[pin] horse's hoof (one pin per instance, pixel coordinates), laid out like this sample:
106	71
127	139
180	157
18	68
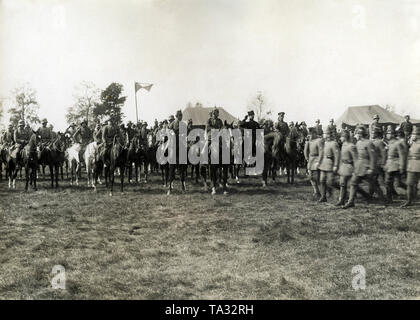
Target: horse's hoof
110	194
168	193
213	191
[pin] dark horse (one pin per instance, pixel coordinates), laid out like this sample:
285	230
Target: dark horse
133	157
273	149
117	158
53	157
291	155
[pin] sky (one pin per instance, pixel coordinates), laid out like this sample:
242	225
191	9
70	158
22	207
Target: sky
310	58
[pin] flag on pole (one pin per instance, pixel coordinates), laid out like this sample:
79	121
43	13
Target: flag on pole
139	86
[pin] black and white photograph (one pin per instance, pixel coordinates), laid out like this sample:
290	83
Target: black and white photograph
190	150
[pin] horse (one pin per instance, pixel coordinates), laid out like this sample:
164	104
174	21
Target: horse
117	158
30	156
73	160
134	157
272	154
291	155
53	157
94	164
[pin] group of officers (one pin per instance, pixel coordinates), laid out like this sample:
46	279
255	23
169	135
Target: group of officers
365	155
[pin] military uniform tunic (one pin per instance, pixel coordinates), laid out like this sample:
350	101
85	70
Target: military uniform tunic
329	156
311	152
348	158
395	160
282	127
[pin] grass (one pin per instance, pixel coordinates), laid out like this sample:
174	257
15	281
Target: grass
273	243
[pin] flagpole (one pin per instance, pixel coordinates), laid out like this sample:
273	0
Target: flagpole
135	95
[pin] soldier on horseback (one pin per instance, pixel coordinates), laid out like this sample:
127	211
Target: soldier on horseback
109	132
83	136
45	134
21	138
281	125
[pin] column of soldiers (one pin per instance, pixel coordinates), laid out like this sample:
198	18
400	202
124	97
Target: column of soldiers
362	159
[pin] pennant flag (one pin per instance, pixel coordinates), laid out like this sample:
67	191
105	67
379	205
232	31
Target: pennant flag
139	86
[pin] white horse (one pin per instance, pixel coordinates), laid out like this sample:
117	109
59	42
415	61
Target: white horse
72	156
91	160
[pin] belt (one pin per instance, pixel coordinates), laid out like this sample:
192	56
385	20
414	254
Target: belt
414	157
330	157
393	157
314	155
347	161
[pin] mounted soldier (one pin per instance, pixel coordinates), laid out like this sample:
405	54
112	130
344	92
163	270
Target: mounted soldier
8	137
21	138
97	134
333	129
318	128
109	133
395	163
312	150
83	136
413	167
281	126
45	135
375	126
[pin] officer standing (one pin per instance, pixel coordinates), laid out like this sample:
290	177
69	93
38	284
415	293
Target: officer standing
395	163
380	152
348	157
175	126
413	167
311	152
328	164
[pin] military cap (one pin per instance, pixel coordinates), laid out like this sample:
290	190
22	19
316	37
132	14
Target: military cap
21	123
171	117
360	129
407	116
83	122
281	113
44	120
375	117
165	121
179	112
345	134
216	110
251	113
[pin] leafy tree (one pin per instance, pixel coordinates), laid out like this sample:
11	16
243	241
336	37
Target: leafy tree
259	105
86	96
25	107
111	103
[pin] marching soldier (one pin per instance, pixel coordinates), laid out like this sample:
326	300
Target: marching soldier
413	167
45	134
380	153
365	164
281	126
328	164
348	157
311	152
395	163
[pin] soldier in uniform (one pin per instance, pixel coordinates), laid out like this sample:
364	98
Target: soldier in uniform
348	157
413	167
174	126
375	126
380	152
312	150
406	127
109	132
97	134
328	164
365	164
332	128
83	136
21	138
45	134
395	163
318	128
281	126
53	133
303	129
171	119
8	137
253	125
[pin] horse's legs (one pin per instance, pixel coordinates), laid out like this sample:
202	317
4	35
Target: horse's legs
122	169
112	178
27	176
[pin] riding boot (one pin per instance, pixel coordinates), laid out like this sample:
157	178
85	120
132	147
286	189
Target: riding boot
389	194
341	199
410	194
350	203
316	194
323	188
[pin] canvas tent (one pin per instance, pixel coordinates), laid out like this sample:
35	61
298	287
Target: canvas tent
200	115
364	115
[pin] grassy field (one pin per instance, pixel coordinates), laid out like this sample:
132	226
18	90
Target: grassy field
273	243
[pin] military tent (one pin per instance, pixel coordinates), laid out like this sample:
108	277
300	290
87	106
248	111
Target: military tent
364	115
200	115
